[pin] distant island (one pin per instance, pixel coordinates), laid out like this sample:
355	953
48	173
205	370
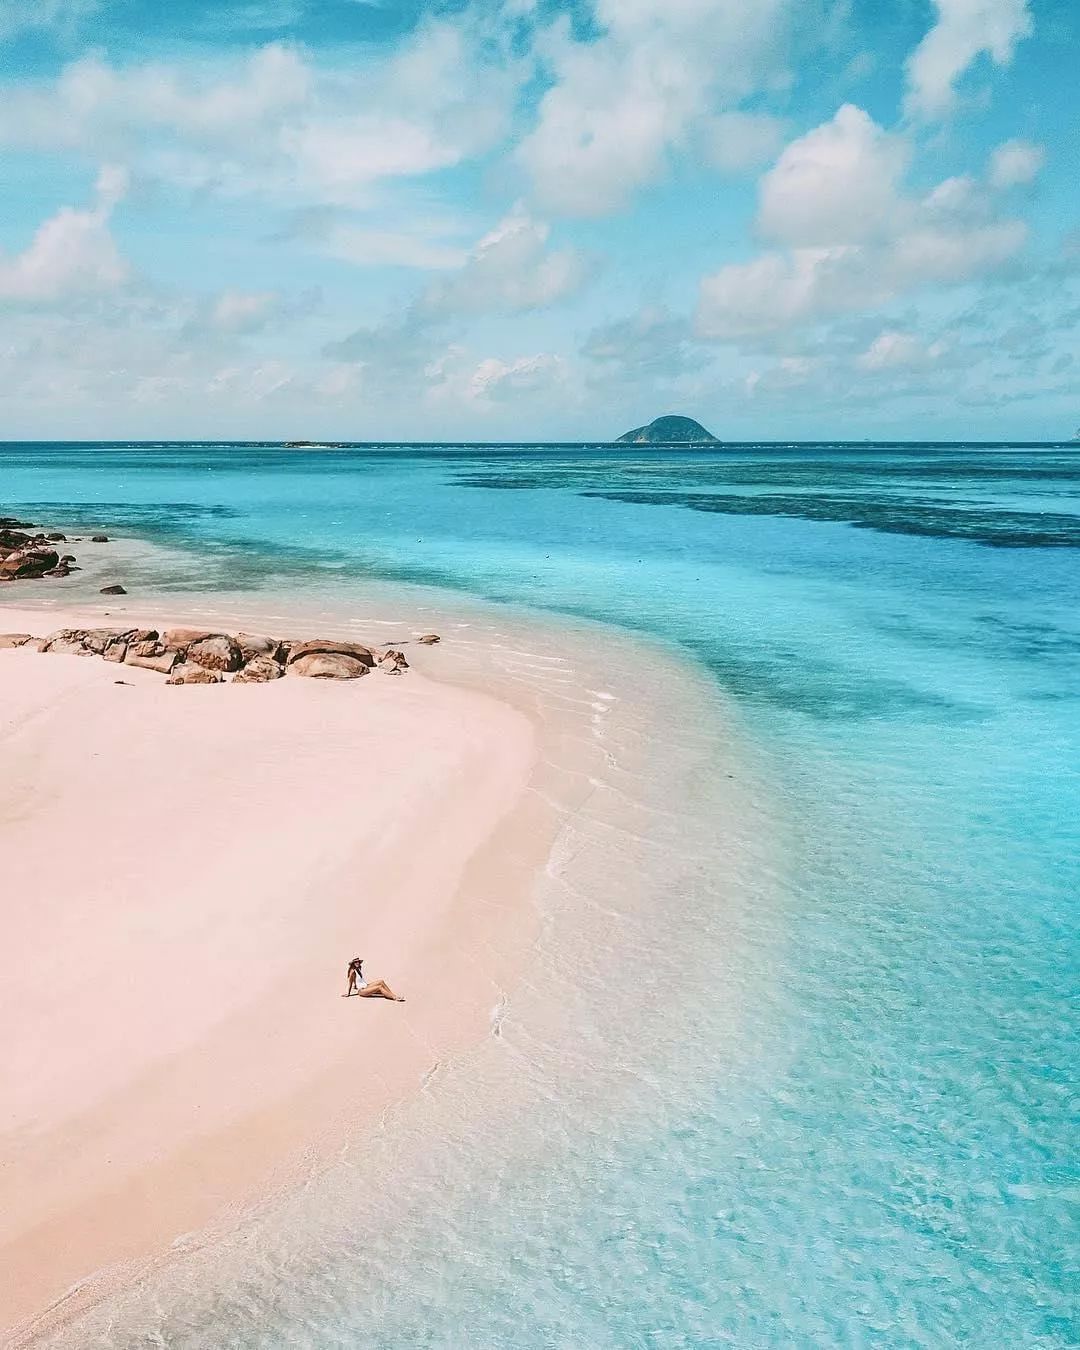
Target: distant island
670	430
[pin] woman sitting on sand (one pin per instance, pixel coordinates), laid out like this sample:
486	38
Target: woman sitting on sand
365	989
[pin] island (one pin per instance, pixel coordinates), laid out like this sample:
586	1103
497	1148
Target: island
669	430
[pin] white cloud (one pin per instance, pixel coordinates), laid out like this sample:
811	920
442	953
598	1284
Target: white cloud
736	141
838	184
72	253
407	247
619	103
275	123
857	239
1015	163
511	270
964	30
494	380
892	350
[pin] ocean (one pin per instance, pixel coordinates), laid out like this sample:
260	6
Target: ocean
816	1084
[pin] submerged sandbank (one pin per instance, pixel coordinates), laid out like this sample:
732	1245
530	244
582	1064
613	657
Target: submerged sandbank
187	872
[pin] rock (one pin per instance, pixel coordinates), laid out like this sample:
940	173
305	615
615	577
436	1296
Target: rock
116	650
68	641
9	640
250	646
182	638
328	666
216	653
67	557
56	538
163	663
61	570
148	645
393	662
113	590
99	639
27	563
328	647
189	674
429	639
12	539
259	670
99	538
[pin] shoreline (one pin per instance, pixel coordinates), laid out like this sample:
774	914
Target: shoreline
472	758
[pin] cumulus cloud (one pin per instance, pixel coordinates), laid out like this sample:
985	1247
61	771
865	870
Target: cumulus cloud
494	379
619	102
963	31
511	270
272	121
72	253
856	238
838	184
1015	163
892	350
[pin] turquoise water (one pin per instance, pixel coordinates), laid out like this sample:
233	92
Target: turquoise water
883	1152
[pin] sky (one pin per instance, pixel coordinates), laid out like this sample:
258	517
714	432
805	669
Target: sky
522	219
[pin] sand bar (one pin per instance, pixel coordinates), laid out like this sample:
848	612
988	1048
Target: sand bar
185	874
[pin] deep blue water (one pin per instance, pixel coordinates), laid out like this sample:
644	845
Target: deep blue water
899	629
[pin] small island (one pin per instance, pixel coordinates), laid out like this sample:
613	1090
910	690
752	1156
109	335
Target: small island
669	430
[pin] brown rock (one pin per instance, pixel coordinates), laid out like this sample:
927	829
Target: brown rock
259	670
429	639
189	674
162	663
113	590
60	570
331	647
251	645
98	639
182	638
138	645
56	538
216	653
72	646
13	539
99	538
116	650
28	563
393	662
328	666
9	640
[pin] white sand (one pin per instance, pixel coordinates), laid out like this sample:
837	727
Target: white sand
185	873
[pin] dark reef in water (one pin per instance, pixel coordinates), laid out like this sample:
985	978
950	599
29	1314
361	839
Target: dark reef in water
670	430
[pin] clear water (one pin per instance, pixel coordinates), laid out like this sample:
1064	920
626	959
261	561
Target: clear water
850	1116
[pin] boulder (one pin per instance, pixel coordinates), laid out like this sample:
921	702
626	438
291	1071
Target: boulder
182	638
216	653
72	646
162	663
56	538
12	539
330	647
99	538
140	645
251	645
189	674
28	563
116	650
259	670
393	662
9	640
328	666
60	570
429	639
113	590
98	639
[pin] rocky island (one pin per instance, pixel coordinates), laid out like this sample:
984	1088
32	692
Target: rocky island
669	430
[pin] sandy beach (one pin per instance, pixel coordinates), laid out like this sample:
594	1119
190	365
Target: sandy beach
188	872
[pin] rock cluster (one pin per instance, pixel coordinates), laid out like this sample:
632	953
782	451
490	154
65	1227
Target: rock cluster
26	557
197	656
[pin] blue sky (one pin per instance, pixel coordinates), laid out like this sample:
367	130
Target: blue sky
363	219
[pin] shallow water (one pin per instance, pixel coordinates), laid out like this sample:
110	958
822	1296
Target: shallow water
798	1065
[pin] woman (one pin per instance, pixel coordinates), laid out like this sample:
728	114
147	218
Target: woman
365	989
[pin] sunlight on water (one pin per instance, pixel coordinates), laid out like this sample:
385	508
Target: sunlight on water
797	1063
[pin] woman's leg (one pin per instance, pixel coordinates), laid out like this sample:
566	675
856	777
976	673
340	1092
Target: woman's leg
380	989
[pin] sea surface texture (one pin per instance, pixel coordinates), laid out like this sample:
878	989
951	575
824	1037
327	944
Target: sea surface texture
796	1062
